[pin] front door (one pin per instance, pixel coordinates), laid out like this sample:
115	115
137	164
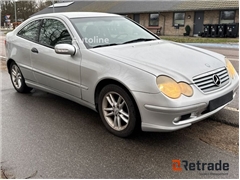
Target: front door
198	22
60	73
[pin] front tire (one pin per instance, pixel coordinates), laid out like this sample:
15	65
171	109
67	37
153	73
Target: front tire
17	79
117	110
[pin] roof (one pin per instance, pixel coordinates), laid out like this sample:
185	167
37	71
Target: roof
125	7
79	14
207	5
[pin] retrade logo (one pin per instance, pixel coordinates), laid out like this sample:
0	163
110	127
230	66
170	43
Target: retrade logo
176	165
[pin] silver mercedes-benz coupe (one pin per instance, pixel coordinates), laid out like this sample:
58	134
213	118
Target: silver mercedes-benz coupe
115	66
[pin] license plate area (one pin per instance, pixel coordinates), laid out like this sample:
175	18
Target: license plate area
216	103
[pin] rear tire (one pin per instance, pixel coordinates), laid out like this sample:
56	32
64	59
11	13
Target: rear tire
17	79
117	110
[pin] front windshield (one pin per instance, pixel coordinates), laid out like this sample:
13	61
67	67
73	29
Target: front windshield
108	31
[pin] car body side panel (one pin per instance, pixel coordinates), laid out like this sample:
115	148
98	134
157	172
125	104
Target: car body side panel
64	95
19	51
95	68
52	70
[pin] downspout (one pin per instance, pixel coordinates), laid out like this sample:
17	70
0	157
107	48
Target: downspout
0	15
163	28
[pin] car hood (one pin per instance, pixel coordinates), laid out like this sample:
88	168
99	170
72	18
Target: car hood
165	58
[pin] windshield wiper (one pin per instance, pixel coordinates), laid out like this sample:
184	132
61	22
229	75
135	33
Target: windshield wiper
105	45
138	40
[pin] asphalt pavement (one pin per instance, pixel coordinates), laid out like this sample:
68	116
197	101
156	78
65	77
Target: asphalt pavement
46	136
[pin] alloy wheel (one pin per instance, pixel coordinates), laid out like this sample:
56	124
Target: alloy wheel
115	111
16	77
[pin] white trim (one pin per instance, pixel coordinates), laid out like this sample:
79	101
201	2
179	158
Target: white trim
64	4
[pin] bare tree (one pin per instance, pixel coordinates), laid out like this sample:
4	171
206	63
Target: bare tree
44	3
24	8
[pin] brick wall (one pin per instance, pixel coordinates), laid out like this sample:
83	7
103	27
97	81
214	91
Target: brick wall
211	17
129	16
237	16
168	29
144	19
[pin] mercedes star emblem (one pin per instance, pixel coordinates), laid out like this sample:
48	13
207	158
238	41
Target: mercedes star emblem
216	80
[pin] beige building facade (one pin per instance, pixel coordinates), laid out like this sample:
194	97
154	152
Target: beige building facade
162	15
166	21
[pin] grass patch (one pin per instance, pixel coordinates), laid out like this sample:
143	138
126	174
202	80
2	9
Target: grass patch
5	32
184	39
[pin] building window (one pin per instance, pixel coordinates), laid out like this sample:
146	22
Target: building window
153	19
179	18
227	17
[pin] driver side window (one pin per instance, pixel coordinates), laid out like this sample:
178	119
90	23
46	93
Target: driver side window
54	32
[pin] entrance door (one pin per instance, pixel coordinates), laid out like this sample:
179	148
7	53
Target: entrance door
198	22
136	18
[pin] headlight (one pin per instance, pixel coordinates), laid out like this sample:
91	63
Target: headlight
172	89
169	87
186	89
230	68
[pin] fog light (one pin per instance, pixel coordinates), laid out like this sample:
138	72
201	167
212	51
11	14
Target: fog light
177	119
194	115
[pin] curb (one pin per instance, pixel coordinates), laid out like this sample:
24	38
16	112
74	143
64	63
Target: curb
213	45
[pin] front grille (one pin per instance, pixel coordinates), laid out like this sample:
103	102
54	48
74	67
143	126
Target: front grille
206	83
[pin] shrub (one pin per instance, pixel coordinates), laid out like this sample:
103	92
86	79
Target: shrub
187	29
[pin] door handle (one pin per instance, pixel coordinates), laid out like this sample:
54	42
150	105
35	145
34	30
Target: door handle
34	50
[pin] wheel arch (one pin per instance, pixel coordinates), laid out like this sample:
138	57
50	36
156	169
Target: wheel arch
101	84
9	62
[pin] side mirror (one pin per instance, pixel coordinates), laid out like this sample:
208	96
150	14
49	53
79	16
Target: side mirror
66	49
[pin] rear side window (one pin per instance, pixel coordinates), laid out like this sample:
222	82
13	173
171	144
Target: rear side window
54	32
30	31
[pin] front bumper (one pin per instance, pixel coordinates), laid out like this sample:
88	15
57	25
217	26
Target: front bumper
161	114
